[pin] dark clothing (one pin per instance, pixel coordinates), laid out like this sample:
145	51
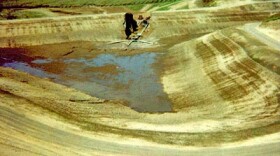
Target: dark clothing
130	23
127	30
134	25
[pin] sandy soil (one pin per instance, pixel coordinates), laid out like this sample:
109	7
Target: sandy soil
222	80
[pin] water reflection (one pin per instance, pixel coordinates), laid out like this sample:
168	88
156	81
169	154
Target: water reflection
129	78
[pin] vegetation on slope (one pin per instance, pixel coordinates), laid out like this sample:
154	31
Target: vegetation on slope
166	5
273	17
15	9
209	3
20	14
71	3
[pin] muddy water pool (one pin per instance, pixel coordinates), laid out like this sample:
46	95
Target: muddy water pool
130	78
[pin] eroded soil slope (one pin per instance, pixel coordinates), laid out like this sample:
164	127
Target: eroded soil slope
221	77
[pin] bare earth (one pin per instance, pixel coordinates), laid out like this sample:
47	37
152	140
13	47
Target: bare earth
220	69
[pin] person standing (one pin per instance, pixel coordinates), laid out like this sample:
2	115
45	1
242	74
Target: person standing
130	24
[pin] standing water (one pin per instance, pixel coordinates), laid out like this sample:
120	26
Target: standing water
108	76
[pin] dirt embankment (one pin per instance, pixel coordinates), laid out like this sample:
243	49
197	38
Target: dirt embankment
221	85
109	28
64	29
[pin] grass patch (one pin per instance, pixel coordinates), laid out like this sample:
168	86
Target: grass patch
184	7
167	5
28	14
20	14
69	3
164	8
273	18
209	3
136	7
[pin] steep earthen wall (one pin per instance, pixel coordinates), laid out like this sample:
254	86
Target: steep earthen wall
108	28
167	24
271	25
62	29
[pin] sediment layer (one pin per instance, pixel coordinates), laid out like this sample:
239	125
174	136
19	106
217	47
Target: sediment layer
224	87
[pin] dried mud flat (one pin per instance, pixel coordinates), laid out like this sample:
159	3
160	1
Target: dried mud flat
219	68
